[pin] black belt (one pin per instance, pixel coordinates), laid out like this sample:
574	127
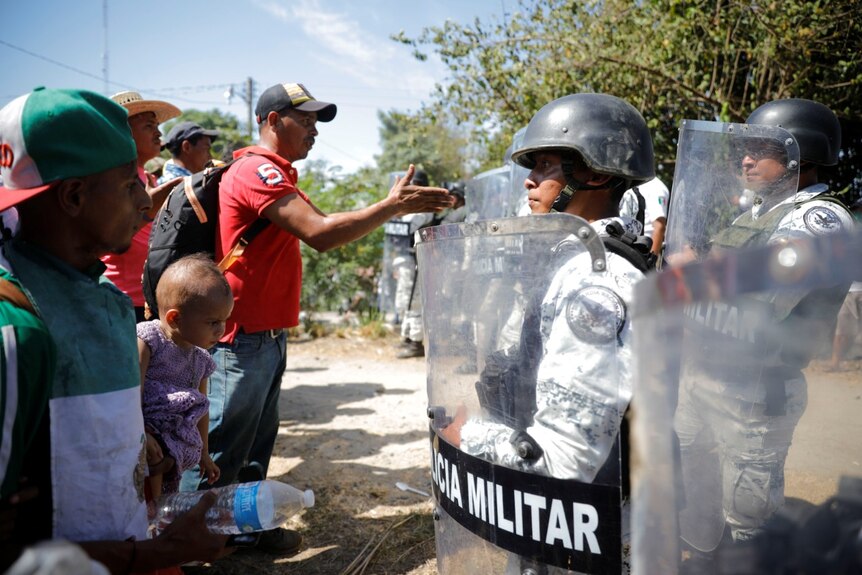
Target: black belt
271	333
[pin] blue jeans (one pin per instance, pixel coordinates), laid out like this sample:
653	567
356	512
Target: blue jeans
243	393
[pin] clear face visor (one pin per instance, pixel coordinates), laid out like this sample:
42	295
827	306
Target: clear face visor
724	172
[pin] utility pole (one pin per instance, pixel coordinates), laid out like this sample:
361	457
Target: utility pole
248	97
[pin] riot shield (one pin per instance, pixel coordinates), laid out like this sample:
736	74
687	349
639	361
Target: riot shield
488	195
527	390
517	204
726	174
742	428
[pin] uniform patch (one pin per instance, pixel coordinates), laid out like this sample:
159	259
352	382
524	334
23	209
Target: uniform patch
822	221
595	314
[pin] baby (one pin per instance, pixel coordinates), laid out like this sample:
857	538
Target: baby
194	302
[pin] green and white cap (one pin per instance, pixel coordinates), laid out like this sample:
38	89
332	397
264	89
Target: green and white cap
51	135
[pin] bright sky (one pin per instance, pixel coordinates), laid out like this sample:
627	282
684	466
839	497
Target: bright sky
189	52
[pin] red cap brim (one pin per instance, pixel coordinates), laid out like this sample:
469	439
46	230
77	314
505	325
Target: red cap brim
10	197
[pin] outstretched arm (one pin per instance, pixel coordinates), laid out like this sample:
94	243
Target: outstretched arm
327	231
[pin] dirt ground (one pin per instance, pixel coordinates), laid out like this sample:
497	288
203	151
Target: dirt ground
353	424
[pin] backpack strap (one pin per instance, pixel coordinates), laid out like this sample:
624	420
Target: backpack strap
248	235
234	254
13	294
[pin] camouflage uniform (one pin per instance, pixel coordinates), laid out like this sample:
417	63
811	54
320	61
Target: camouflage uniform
581	392
748	410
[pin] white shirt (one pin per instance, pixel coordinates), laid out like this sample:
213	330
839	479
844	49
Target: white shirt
656	197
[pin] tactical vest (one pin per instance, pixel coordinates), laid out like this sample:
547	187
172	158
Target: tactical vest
746	231
746	328
749	232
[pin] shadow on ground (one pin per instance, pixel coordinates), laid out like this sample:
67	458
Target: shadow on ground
352	463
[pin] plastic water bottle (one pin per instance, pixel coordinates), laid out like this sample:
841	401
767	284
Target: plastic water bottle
241	507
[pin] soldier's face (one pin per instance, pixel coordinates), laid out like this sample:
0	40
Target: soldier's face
545	181
762	165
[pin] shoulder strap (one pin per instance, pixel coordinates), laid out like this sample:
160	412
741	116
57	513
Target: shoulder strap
13	294
247	236
636	249
641	215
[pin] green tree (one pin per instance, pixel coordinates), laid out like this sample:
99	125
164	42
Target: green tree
335	277
672	59
420	139
230	139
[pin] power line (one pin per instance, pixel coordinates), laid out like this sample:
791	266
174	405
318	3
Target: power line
61	64
156	91
169	92
340	151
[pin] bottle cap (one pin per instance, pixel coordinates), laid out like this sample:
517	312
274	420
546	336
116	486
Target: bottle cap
308	498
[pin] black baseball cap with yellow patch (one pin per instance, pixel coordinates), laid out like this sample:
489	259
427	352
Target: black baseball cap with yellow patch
283	96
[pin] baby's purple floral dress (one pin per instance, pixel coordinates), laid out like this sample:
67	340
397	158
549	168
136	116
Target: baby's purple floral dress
172	403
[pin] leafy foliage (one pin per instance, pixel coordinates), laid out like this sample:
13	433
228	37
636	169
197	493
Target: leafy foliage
672	59
346	276
419	139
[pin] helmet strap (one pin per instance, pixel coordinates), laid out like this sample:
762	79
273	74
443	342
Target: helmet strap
572	186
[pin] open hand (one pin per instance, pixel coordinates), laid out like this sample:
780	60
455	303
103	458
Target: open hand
417	199
158	194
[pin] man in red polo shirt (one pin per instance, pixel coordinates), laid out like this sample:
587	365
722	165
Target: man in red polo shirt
267	278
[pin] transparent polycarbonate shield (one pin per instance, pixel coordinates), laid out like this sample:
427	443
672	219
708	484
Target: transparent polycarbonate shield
742	426
518	205
728	173
521	343
488	195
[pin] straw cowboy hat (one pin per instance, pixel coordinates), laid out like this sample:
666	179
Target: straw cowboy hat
135	104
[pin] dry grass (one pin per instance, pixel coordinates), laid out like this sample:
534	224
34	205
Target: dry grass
360	524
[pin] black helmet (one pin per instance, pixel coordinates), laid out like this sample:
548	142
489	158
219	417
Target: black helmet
420	178
609	134
455	188
814	126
